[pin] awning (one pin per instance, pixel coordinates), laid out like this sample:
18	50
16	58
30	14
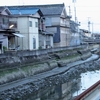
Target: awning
18	35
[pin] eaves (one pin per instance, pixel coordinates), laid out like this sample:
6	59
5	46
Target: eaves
16	16
57	26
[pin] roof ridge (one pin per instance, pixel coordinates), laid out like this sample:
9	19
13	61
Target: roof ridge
37	5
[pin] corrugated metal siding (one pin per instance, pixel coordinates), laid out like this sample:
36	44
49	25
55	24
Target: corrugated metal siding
24	11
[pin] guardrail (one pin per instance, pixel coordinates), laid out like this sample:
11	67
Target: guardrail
85	93
22	53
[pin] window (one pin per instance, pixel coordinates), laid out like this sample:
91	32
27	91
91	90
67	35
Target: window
34	43
36	24
5	20
30	23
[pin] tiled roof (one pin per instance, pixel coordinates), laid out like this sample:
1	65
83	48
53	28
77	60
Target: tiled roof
51	9
1	9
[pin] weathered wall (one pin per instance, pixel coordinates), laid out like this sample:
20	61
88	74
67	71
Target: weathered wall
15	58
11	58
36	89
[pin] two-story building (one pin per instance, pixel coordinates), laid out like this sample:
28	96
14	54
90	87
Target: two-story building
57	22
31	24
7	35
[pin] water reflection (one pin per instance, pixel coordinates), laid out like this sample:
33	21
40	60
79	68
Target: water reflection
87	80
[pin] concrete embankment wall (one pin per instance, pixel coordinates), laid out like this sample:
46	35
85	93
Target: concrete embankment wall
16	58
13	58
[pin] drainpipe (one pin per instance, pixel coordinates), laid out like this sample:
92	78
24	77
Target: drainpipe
28	33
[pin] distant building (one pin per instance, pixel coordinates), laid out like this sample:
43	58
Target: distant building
75	35
84	35
96	35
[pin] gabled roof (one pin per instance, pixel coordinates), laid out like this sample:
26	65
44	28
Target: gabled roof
2	8
51	9
23	11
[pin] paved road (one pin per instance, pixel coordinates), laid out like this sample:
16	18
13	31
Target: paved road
55	71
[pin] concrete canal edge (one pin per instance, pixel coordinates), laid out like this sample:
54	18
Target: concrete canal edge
33	84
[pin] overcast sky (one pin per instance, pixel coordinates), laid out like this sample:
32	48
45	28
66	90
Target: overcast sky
85	10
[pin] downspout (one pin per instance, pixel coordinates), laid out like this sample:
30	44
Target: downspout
28	33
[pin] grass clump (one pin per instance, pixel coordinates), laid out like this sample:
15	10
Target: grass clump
21	72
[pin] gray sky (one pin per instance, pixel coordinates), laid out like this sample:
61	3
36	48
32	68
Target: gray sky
85	10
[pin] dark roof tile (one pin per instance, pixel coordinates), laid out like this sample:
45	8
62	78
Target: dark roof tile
51	9
1	9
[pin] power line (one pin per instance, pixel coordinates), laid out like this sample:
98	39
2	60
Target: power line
93	23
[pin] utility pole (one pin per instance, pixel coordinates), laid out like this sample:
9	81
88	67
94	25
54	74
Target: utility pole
76	26
92	27
69	11
88	24
74	1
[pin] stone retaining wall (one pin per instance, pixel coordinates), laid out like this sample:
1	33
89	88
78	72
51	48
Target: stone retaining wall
17	58
35	89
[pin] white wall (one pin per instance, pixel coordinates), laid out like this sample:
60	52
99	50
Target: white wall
4	13
23	24
28	32
36	15
51	41
33	33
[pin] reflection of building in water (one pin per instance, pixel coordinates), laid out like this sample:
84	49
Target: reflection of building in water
69	88
92	93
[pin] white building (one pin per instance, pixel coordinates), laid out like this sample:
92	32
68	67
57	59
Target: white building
30	23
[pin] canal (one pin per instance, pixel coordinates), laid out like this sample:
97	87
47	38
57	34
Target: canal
84	81
62	86
87	80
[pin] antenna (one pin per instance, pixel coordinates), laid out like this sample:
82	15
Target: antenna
69	11
89	24
74	1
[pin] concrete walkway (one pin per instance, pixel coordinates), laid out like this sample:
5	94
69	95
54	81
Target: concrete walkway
52	72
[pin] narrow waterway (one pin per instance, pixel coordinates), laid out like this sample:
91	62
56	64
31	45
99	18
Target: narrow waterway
87	80
84	82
